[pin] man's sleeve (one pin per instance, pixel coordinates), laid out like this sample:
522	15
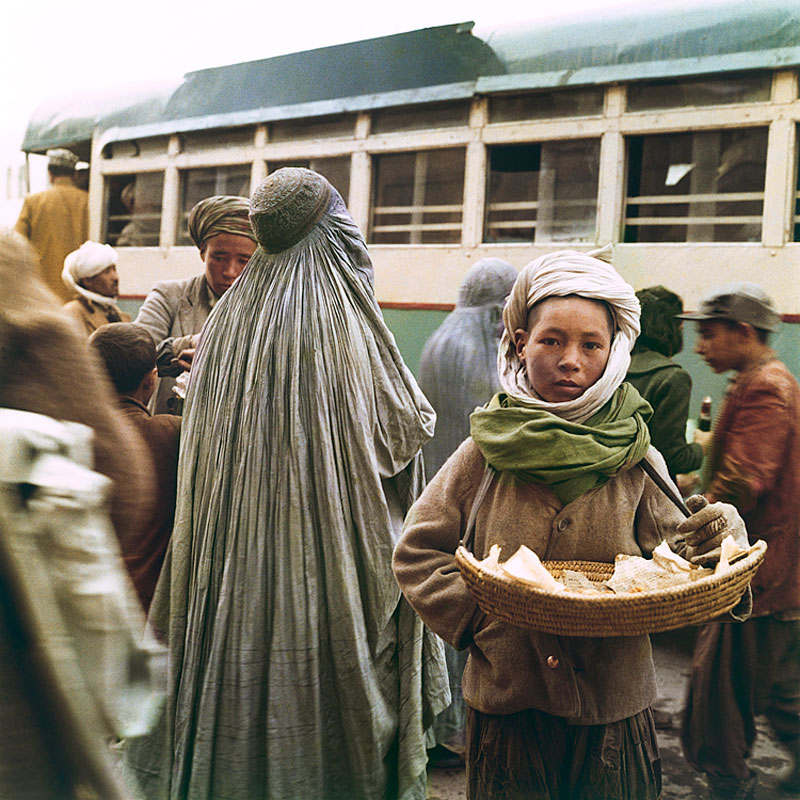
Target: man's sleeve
156	315
754	448
23	225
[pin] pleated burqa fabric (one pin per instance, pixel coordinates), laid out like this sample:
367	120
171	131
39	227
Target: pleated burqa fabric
297	669
457	372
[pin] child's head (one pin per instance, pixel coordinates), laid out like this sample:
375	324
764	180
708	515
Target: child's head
570	323
129	355
661	328
565	346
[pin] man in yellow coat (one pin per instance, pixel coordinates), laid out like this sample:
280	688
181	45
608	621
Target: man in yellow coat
56	221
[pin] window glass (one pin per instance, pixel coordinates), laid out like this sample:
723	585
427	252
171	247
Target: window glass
418	197
706	186
437	115
332	127
335	169
133	209
750	87
196	184
544	105
543	192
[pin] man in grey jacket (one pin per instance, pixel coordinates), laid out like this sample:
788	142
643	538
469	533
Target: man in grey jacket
174	311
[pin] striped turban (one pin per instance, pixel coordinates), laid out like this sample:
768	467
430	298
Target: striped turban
220	214
568	272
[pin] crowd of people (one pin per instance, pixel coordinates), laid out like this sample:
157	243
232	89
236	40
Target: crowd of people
291	535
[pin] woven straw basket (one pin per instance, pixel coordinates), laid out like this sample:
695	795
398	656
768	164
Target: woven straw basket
573	614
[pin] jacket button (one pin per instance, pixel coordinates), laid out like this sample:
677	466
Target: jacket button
553	662
562	523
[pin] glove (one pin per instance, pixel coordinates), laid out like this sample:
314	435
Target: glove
709	524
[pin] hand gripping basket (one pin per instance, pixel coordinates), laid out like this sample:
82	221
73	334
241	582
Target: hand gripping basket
601	615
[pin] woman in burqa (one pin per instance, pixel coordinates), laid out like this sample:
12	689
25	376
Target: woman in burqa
297	671
457	373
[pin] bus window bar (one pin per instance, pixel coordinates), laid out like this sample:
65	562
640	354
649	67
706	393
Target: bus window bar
154	215
417	209
667	199
693	220
427	226
532	205
532	223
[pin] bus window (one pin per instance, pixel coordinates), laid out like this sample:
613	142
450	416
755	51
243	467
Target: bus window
418	197
543	192
133	209
336	169
197	184
583	102
706	186
747	87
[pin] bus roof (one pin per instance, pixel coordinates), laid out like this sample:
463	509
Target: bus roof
436	64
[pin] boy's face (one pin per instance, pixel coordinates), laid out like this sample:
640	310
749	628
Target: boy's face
720	344
225	256
566	347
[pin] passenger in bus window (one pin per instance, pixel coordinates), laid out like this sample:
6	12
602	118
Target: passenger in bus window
555	463
174	311
300	672
91	273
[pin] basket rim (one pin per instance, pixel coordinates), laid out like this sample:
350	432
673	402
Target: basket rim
706	583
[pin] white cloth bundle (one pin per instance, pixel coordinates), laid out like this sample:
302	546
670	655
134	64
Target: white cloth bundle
568	272
90	259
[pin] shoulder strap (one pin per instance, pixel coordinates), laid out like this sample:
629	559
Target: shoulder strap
659	481
483	487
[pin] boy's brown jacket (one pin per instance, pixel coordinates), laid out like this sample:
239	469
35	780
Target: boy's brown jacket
509	669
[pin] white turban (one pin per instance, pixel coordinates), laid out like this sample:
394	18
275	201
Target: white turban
90	259
568	272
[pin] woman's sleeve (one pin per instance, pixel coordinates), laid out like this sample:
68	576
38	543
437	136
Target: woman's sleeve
424	559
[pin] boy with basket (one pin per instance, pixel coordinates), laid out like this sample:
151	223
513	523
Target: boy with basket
553	463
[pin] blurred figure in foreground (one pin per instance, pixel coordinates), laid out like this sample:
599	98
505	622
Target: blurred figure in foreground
129	356
91	273
75	664
175	310
664	384
753	453
299	670
457	372
56	221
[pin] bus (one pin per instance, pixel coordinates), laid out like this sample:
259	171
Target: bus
671	136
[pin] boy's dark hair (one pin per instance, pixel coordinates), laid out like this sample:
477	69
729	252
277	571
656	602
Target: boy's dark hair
127	351
661	331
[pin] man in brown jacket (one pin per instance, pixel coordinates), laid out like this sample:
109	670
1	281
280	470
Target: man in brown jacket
753	463
129	356
56	221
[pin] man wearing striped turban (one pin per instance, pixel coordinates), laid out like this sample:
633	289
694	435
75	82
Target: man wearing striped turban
175	310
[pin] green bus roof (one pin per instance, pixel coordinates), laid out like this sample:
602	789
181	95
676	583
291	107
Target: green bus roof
436	64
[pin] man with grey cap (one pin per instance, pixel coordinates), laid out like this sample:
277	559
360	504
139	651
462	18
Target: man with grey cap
175	310
752	462
56	221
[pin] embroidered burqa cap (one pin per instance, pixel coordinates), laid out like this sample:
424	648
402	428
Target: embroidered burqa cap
300	455
287	205
219	214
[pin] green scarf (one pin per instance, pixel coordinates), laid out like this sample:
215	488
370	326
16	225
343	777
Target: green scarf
570	457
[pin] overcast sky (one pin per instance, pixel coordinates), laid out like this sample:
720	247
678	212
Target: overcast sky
50	50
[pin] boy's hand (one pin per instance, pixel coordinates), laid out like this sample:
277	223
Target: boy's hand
702	438
709	524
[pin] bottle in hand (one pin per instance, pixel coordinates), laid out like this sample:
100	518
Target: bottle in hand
704	423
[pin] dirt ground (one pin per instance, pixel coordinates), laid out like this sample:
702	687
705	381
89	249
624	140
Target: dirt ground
672	655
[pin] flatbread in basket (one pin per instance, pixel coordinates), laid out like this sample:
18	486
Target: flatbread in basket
603	615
